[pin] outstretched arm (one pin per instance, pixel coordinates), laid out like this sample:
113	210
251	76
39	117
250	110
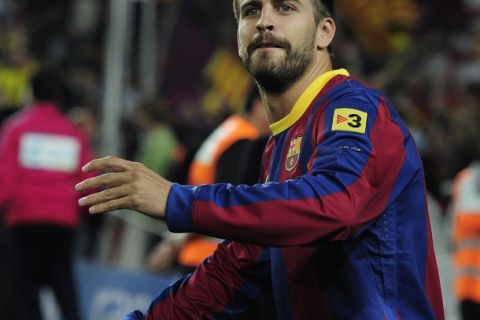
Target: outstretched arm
352	177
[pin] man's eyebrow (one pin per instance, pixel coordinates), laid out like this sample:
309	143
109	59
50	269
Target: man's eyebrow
258	3
280	1
249	3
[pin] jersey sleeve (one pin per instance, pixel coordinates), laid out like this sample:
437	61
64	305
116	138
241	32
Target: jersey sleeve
224	284
353	174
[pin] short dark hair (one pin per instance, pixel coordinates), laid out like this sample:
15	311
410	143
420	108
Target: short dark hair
47	85
322	8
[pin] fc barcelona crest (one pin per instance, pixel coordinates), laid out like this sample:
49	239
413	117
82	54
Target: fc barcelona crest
293	153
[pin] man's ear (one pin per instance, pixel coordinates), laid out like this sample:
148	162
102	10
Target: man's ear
325	32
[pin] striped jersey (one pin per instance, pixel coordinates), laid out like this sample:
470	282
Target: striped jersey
338	228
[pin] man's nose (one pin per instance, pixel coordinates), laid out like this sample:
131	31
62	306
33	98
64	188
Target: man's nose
266	21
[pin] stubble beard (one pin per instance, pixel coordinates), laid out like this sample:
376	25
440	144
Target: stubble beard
276	74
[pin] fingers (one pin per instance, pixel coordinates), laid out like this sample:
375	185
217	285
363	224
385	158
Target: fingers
104	196
131	186
106	180
110	162
110	205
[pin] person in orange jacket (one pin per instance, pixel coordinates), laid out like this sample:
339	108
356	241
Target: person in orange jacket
466	239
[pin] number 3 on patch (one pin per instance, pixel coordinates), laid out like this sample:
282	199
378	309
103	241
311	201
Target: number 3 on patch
346	119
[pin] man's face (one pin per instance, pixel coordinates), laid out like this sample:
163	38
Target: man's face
276	40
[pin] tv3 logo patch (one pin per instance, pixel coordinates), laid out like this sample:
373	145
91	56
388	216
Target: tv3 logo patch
346	119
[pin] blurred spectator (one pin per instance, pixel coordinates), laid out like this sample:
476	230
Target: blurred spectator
466	238
237	130
159	148
16	68
42	153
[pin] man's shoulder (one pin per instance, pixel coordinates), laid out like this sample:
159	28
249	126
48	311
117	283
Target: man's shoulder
353	93
351	86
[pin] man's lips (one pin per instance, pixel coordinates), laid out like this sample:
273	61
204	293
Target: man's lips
264	45
269	45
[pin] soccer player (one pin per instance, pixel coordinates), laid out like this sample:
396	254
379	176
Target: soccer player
338	230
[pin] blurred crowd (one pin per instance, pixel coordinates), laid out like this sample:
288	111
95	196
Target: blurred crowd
425	55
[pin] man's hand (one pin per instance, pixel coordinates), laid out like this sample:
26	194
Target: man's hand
127	185
164	254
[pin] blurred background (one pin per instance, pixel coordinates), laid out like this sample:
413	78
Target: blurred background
130	65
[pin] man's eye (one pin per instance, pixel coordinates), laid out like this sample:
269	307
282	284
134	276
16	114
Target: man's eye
250	12
285	7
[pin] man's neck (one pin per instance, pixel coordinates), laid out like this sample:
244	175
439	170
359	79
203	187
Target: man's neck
278	105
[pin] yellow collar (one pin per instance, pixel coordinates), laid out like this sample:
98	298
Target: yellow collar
305	100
